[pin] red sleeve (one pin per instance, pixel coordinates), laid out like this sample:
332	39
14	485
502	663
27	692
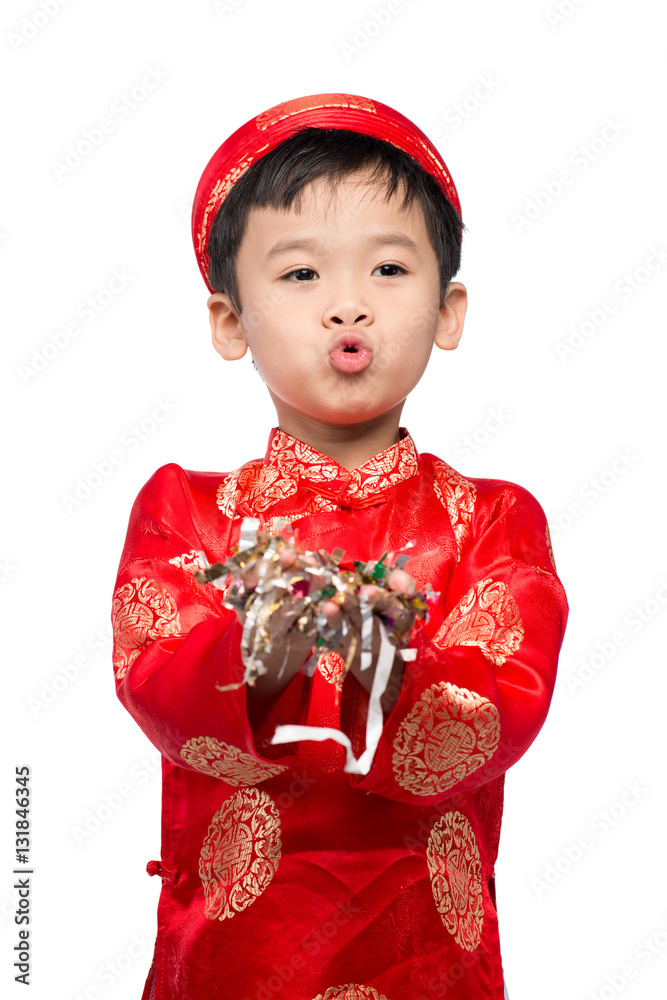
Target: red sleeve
478	692
175	643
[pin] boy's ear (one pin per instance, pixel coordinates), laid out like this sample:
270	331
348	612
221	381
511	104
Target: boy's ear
452	316
228	338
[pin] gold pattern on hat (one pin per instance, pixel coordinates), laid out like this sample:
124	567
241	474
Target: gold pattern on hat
312	103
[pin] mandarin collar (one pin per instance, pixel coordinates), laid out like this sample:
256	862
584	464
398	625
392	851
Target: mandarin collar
360	487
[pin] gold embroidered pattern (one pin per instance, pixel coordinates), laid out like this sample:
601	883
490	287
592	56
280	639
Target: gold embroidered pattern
300	461
351	991
257	484
219	192
220	760
449	733
437	166
454	865
488	617
288	108
386	469
315	505
141	613
332	667
189	561
240	853
549	549
457	495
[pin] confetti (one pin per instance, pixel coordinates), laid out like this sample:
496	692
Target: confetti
306	580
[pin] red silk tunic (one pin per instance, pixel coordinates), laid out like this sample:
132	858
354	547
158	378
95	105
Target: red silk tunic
284	877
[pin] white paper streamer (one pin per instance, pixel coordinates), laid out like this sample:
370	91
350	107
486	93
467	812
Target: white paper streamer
374	722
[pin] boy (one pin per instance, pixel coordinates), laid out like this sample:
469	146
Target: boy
328	231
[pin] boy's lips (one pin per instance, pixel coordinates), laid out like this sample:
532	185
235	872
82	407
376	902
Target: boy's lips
350	353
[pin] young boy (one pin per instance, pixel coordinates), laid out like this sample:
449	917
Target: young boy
328	231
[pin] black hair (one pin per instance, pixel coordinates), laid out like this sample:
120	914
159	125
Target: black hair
278	178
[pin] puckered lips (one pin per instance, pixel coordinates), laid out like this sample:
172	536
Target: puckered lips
350	352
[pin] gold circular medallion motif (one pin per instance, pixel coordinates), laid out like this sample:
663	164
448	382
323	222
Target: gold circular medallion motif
141	613
240	853
448	744
487	617
449	733
220	760
455	869
351	991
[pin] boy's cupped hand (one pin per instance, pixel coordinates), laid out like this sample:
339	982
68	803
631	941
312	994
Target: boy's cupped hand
290	647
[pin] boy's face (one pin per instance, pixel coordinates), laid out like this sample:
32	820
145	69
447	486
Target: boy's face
340	304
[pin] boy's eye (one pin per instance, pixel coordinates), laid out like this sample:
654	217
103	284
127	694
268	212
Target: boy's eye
300	274
393	268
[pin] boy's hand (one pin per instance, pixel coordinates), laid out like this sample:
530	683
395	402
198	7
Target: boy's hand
285	639
290	648
387	604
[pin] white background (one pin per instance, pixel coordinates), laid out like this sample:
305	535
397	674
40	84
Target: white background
535	93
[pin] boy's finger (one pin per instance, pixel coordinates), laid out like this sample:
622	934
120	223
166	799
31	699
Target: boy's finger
333	613
287	557
401	581
250	576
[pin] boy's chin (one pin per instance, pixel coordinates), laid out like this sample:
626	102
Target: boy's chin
353	417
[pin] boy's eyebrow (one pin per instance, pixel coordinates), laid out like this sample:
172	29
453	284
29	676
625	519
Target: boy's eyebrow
376	240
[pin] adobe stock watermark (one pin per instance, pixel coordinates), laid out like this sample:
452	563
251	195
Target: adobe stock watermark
111	802
7	907
7	569
579	161
425	315
592	490
312	944
624	289
649	948
599	825
251	318
86	312
505	755
223	7
60	680
634	621
108	974
561	12
471	442
460	113
32	24
364	33
130	441
122	107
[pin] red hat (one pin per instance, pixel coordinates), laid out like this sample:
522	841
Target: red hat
262	134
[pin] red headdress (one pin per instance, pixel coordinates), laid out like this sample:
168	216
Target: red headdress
262	134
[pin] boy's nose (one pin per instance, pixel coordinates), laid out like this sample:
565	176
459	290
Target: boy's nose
348	322
348	313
